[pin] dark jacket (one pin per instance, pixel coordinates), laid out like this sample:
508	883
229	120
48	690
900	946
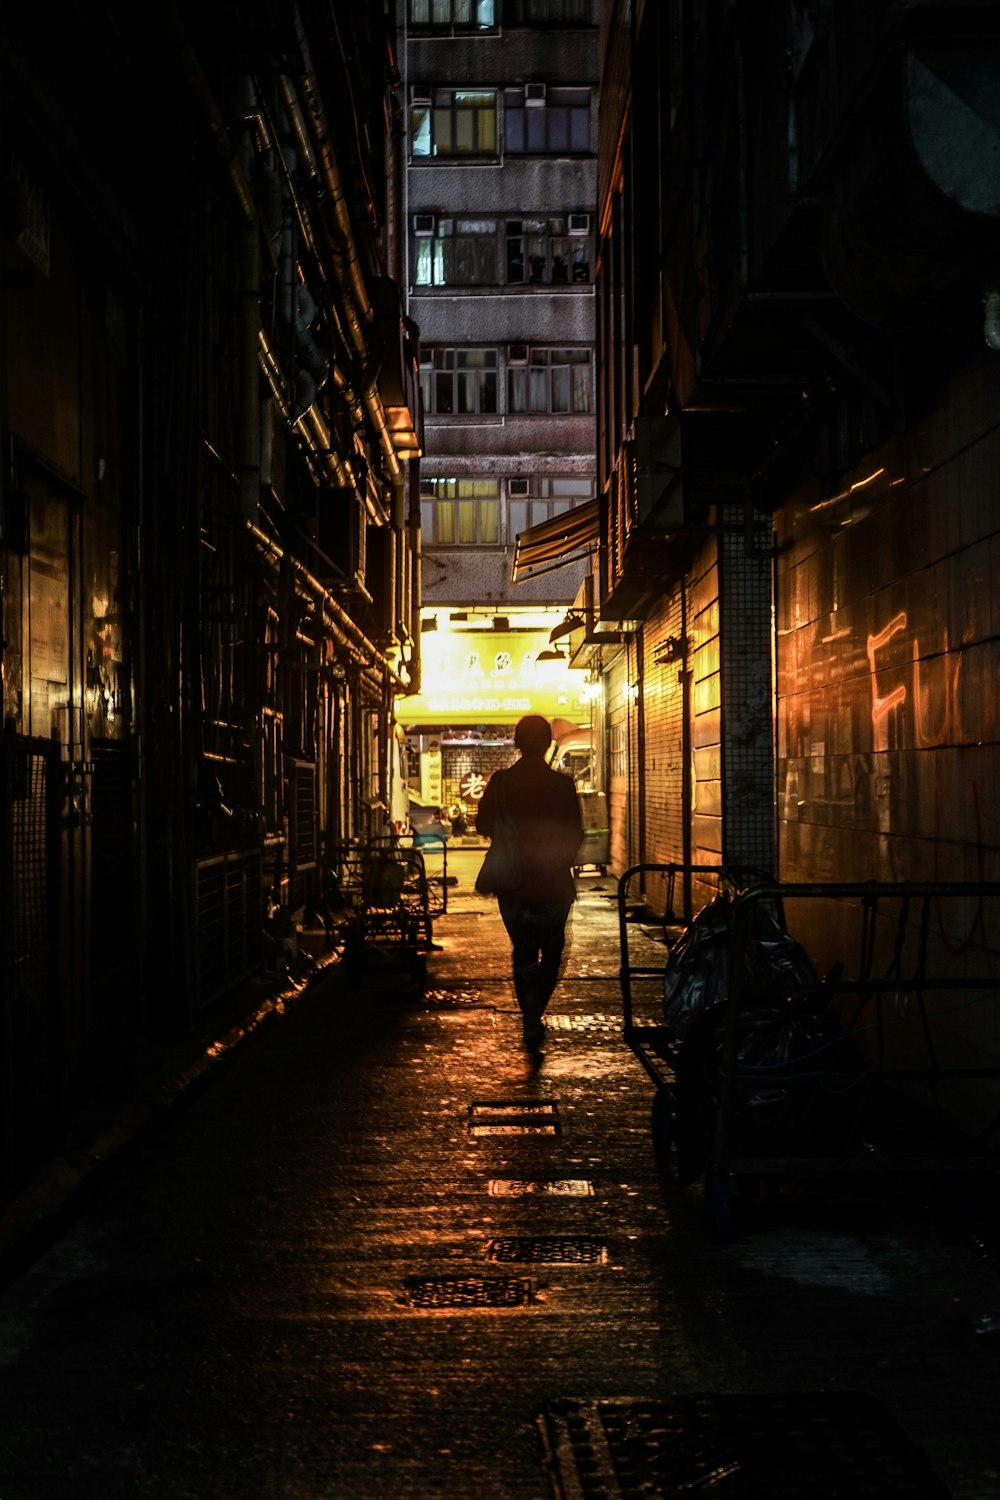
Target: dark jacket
546	811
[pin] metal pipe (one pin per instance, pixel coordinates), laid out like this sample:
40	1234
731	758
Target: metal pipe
349	635
354	293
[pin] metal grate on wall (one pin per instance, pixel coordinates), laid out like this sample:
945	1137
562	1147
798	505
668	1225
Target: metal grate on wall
228	892
30	791
302	824
745	586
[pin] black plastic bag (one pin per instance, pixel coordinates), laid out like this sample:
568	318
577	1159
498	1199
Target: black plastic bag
697	971
796	1087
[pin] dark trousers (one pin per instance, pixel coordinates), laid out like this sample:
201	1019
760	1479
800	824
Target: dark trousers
537	931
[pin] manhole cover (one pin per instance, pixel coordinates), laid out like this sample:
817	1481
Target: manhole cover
548	1249
562	1187
469	1291
764	1447
513	1117
499	1109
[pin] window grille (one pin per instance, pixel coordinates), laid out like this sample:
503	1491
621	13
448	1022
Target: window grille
453	122
456	252
458	382
555	382
557	125
454	15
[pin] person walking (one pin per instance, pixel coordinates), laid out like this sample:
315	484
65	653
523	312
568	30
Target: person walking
545	810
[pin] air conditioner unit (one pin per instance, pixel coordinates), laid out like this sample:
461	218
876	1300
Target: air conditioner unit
579	223
517	488
423	224
421	97
517	354
534	94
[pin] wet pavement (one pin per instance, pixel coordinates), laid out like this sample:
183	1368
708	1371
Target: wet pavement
386	1253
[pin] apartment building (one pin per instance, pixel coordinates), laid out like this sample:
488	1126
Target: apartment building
500	185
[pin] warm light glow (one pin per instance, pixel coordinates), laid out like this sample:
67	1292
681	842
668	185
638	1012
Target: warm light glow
859	484
490	677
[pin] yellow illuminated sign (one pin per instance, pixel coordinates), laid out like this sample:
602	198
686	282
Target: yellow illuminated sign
490	677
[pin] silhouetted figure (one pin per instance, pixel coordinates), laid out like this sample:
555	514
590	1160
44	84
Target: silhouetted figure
546	812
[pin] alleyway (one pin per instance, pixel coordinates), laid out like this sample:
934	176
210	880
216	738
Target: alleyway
335	1276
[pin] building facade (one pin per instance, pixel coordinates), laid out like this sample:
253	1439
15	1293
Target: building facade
500	241
210	420
799	370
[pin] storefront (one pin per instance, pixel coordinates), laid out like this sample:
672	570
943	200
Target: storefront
476	685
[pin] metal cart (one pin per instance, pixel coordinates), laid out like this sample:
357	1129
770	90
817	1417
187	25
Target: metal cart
434	853
884	987
643	974
893	922
378	908
596	847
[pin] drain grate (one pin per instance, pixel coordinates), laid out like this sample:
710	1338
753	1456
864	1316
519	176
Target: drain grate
585	1023
514	1117
548	1249
758	1447
469	1291
560	1187
497	1109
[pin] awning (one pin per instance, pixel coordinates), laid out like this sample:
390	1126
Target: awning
559	540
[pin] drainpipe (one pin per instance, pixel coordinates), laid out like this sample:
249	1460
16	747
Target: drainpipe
413	526
249	474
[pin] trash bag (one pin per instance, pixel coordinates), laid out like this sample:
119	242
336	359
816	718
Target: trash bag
795	1069
697	970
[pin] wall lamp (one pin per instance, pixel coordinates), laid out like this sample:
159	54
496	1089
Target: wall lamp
566	627
501	622
551	654
426	626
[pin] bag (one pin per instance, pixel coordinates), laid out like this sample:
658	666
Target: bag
500	873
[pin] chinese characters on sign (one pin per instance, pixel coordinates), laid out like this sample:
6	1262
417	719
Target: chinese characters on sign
472	785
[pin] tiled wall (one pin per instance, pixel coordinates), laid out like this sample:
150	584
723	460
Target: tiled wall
888	712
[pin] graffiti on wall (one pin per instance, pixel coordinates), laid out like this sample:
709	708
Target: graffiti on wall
931	684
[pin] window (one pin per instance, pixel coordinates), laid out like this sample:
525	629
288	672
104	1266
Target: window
541	252
554	381
453	122
547	122
474	15
458	382
460	512
544	499
549	12
459	252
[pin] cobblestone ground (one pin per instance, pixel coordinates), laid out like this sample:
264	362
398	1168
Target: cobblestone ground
384	1241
